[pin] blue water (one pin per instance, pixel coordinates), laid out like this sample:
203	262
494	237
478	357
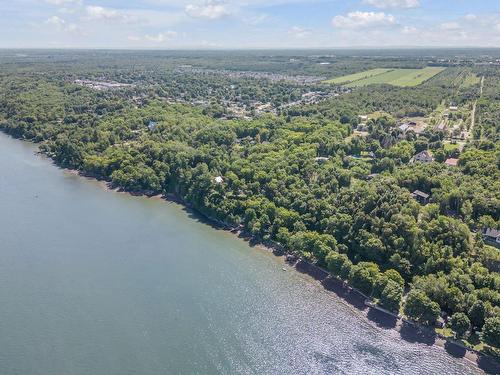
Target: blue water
97	282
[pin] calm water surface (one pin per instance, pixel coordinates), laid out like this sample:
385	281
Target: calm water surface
95	282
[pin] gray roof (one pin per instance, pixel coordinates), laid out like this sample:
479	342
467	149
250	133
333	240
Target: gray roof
490	232
420	194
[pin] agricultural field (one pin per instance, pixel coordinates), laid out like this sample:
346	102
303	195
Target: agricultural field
471	80
358	76
395	77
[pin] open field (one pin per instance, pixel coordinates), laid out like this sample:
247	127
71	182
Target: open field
395	77
358	76
471	80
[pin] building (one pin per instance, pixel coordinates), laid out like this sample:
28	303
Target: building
423	157
219	179
452	162
404	127
492	235
321	159
420	197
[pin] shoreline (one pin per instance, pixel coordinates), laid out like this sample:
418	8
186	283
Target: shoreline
408	330
364	308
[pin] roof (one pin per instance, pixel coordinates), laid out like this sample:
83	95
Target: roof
321	158
219	179
490	232
424	154
451	162
404	127
420	194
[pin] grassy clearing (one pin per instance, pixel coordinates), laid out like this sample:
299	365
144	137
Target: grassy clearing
358	76
395	77
471	80
449	147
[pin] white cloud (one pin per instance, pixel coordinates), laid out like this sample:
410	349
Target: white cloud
363	19
450	26
134	38
393	3
55	21
211	10
470	17
409	30
299	32
62	25
63	2
161	37
95	12
256	19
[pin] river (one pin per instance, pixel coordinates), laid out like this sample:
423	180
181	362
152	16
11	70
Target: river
97	282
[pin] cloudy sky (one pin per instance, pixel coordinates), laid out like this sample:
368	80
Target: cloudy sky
170	24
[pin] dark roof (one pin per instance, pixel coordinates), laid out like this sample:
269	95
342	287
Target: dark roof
420	194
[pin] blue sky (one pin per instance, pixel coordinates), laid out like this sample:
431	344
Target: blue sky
173	24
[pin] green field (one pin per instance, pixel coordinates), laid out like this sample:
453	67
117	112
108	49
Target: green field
395	77
358	76
470	80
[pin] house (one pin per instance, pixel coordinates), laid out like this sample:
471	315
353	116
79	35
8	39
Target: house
420	197
219	179
363	117
452	162
492	235
404	127
152	125
321	159
441	127
423	157
453	108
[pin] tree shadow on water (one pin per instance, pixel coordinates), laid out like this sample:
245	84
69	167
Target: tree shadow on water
311	270
455	350
488	364
350	296
382	319
414	334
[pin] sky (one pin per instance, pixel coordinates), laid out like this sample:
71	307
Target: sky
241	24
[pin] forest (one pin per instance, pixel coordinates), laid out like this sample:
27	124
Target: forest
302	175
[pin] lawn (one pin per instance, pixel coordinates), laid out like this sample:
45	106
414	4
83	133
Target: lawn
395	77
358	76
449	147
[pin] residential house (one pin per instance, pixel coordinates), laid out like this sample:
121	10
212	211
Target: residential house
492	235
423	157
452	162
420	197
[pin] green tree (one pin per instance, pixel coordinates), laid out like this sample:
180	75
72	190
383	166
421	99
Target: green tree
477	314
363	276
460	323
491	331
336	262
421	308
391	296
